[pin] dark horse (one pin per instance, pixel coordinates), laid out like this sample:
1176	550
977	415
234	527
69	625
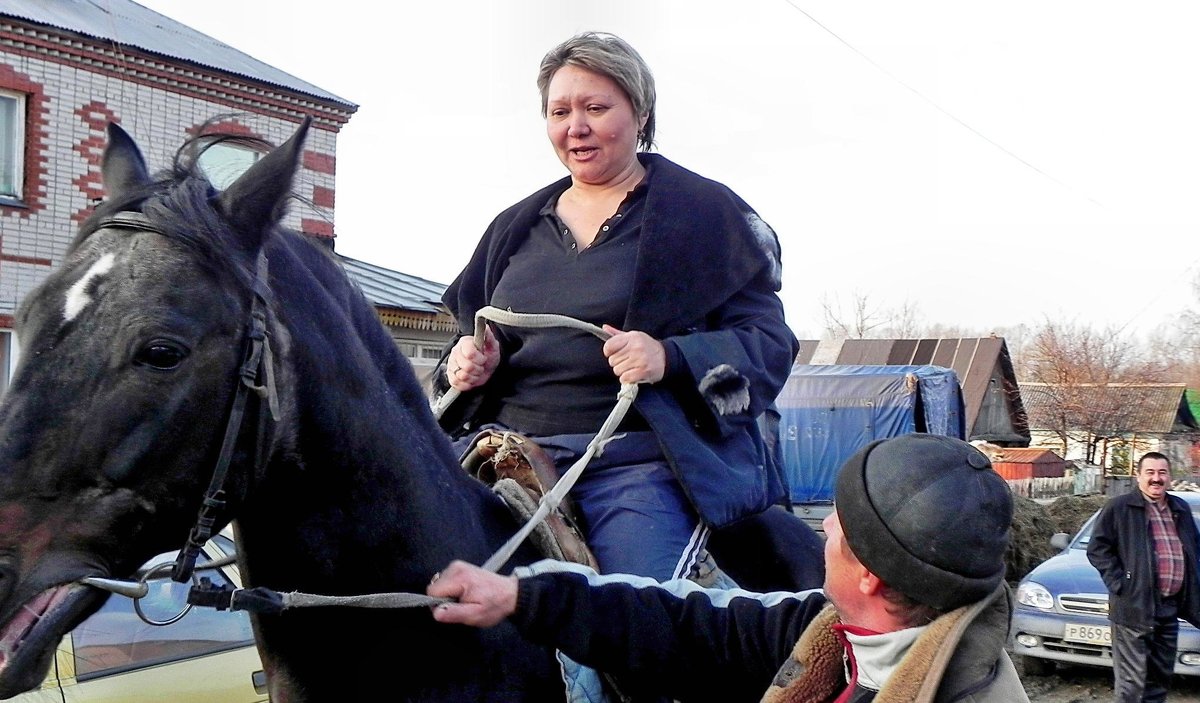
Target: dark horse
115	418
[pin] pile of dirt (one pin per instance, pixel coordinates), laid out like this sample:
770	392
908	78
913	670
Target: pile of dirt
1032	528
1070	512
1034	524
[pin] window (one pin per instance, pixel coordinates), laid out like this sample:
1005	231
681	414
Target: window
115	639
7	359
12	144
223	162
420	352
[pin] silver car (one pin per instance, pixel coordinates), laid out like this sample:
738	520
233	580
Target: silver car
1061	613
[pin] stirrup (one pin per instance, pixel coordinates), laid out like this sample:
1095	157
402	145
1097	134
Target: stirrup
521	472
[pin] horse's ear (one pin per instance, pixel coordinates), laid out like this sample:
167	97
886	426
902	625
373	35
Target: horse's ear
255	201
122	169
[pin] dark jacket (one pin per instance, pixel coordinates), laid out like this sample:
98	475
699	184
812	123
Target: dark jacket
1121	550
734	646
705	283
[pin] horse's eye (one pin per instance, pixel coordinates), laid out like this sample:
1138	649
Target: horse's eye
160	354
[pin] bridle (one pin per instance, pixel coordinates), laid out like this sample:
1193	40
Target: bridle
255	374
257	363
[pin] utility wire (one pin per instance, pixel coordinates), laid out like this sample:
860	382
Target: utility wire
1161	290
935	106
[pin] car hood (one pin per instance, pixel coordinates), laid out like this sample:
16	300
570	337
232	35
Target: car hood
1068	572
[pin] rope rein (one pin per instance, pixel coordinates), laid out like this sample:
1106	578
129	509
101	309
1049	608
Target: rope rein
265	600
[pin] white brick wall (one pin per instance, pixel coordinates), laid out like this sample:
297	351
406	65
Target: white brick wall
78	102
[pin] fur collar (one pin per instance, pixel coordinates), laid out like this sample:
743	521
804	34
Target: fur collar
941	660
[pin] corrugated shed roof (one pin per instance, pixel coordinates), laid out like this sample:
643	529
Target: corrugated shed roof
1158	408
392	289
127	23
973	359
1022	455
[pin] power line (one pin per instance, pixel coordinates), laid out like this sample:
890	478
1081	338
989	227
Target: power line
936	106
1161	290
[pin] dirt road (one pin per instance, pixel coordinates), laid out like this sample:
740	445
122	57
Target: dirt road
1082	684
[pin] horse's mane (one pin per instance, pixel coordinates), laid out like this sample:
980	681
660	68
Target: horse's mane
181	203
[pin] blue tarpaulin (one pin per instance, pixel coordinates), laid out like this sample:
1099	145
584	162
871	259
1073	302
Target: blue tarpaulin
828	412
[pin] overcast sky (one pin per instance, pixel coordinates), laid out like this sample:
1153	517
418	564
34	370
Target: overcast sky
990	164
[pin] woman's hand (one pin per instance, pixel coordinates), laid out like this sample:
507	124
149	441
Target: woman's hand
635	357
468	367
484	598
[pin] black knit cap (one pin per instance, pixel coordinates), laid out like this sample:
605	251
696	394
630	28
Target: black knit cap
928	516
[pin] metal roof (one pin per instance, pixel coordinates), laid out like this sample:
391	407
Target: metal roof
1023	455
1158	408
392	289
127	23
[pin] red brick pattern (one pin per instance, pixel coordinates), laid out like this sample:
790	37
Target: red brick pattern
16	258
321	163
316	228
36	261
322	197
96	116
142	68
229	125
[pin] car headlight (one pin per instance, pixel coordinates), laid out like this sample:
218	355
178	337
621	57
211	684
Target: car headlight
1034	595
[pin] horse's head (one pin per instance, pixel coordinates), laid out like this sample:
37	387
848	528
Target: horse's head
130	353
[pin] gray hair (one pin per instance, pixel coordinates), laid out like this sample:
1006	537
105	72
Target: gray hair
610	56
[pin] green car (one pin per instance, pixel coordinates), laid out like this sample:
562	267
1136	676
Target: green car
207	656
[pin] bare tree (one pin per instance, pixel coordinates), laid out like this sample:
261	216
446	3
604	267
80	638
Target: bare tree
863	318
1177	346
1081	374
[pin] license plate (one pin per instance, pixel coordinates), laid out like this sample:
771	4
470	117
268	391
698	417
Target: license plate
1091	634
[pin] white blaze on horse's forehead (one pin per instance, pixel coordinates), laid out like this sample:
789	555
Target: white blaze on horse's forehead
79	295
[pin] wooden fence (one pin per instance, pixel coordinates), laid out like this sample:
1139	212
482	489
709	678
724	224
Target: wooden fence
1084	481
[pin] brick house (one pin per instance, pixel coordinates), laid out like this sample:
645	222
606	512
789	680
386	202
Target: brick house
68	67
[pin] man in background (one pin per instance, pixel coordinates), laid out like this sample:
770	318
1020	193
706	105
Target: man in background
1144	545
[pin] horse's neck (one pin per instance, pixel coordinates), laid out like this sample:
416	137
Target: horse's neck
344	527
368	488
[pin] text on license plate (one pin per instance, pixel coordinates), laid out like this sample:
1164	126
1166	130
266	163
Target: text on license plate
1091	634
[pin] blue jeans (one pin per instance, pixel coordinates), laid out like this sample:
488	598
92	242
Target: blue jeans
633	511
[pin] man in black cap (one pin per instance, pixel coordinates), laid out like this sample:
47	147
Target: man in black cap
914	606
1144	545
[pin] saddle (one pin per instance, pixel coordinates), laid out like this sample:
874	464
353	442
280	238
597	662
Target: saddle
521	472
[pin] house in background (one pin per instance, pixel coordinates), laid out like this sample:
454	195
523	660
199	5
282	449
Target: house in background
410	308
1028	462
69	67
992	399
1032	472
1113	424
